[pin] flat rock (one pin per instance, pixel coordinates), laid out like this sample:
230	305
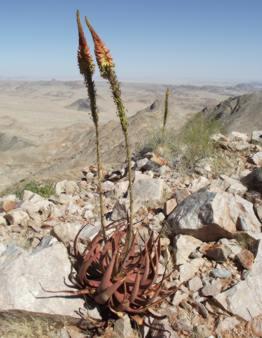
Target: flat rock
21	274
234	186
209	216
227	324
66	187
245	298
198	183
17	217
195	284
212	289
184	245
188	270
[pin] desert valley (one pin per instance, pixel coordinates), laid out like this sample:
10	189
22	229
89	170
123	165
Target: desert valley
46	130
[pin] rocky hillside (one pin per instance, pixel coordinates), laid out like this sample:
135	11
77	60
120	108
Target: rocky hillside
210	234
238	113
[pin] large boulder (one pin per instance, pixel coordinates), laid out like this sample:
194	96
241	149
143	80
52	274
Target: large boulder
209	216
23	273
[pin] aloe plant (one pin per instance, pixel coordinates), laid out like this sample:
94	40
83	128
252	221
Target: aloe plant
87	68
107	71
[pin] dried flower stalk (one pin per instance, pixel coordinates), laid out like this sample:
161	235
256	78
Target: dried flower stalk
87	68
166	109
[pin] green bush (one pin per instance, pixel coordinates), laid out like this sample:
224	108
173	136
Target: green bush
195	139
43	189
190	144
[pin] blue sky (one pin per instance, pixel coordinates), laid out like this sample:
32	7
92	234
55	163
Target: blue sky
164	41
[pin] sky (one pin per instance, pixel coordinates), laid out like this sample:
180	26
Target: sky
153	41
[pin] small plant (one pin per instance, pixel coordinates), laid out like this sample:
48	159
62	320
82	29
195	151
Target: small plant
125	284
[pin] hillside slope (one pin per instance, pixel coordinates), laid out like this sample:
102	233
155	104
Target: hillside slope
242	113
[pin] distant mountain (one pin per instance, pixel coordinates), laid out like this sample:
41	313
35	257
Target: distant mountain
240	113
80	105
247	87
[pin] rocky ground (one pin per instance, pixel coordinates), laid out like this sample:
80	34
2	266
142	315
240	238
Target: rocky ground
210	225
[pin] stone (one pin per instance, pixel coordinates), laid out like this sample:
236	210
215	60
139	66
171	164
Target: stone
17	217
123	328
218	137
188	270
39	210
184	245
257	159
234	186
256	326
179	297
119	211
256	136
67	187
170	206
21	274
180	195
237	136
203	167
209	216
245	298
258	210
195	284
231	245
141	163
218	252
8	205
156	223
121	189
26	324
253	181
212	289
198	183
2	220
227	324
108	186
245	258
221	273
66	232
148	192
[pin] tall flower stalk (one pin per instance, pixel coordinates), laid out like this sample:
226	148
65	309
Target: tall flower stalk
107	71
87	68
166	110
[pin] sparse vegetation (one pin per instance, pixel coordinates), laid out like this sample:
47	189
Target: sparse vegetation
191	144
45	190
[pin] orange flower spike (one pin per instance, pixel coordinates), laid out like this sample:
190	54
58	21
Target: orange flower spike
103	56
85	60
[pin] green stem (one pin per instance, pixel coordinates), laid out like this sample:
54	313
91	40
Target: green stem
92	96
99	179
116	91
